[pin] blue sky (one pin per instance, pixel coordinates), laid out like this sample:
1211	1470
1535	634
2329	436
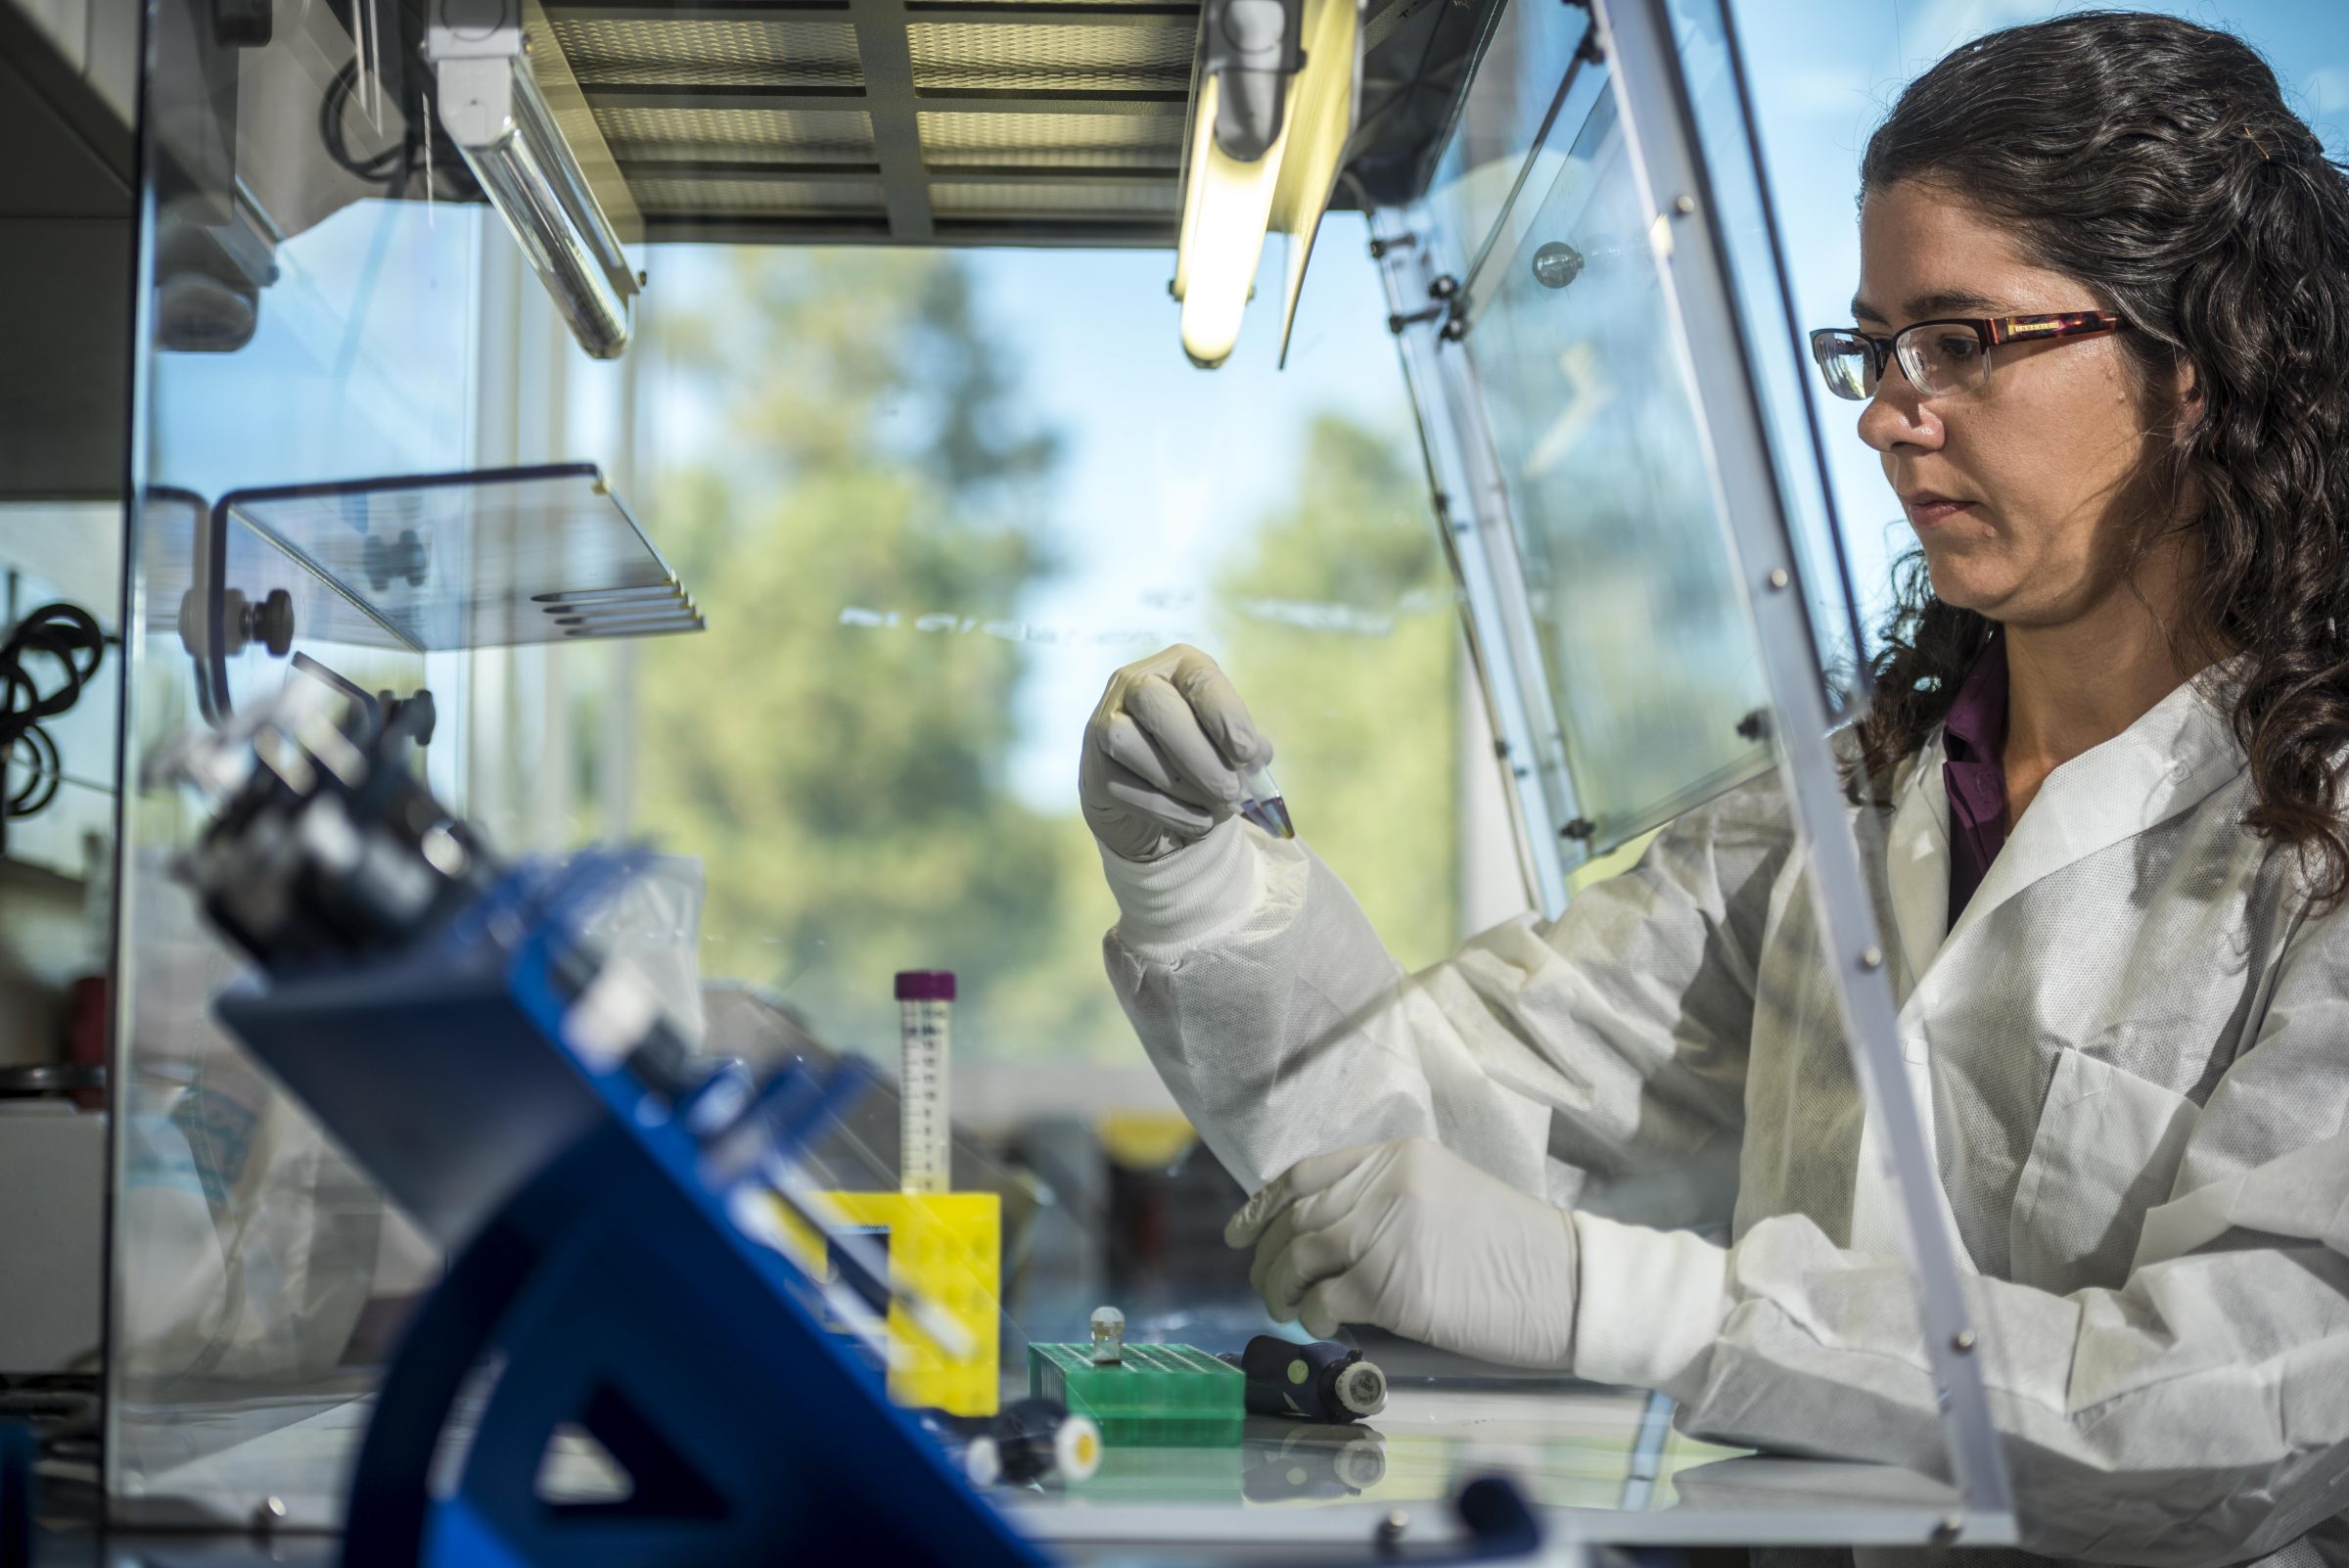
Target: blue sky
1193	456
1169	467
1165	469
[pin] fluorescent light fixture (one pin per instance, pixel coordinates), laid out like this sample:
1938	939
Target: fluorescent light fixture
1230	204
493	110
1226	206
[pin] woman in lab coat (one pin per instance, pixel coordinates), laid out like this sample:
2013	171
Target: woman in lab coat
2103	337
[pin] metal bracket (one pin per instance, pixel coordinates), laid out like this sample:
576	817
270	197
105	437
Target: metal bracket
217	622
1450	307
1472	511
475	47
1250	49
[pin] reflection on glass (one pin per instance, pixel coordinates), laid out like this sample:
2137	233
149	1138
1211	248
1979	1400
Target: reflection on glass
1564	1445
307	323
1628	570
258	1271
1516	82
1783	377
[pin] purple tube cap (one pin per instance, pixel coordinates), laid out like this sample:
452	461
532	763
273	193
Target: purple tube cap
925	984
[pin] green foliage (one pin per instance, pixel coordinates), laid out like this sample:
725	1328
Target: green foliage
1362	700
845	783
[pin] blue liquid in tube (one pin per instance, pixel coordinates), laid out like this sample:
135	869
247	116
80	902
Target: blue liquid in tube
1261	802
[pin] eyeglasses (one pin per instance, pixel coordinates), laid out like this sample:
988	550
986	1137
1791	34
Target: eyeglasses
1940	357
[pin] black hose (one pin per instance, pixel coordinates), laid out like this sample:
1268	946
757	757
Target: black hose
68	635
389	168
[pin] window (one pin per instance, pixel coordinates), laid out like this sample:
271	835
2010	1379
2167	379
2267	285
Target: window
929	502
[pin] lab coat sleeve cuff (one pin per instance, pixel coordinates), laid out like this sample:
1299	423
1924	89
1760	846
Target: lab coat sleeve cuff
1647	1302
1189	897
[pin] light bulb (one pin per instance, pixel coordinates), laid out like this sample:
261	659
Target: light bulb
1226	212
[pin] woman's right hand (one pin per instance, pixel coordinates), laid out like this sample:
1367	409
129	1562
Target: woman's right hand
1164	753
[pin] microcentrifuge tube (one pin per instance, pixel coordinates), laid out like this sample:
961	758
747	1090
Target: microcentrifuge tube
1261	802
924	998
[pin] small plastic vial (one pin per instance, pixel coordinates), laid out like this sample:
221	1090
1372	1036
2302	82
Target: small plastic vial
1261	802
1109	1336
925	999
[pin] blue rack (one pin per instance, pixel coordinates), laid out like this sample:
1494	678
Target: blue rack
597	1266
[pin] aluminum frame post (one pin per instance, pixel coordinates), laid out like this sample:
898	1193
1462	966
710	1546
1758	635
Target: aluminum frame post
1472	510
1666	157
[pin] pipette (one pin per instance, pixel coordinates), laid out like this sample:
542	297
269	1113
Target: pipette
1261	802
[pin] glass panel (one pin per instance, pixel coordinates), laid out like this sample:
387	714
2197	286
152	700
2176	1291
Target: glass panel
446	561
924	547
59	562
1509	102
307	325
1643	632
1780	363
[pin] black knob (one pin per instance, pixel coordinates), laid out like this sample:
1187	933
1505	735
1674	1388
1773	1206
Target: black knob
409	559
271	622
419	715
406	559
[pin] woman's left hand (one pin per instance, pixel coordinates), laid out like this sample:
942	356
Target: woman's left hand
1410	1238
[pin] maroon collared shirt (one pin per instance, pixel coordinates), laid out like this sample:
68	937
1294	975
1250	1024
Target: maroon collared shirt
1973	743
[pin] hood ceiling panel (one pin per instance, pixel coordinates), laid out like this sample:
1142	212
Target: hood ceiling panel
738	135
914	121
750	52
960	121
1050	57
775	199
956	140
1126	200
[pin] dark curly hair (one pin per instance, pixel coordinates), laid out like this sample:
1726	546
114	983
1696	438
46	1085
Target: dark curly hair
2155	162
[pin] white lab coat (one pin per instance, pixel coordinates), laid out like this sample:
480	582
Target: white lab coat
2134	1047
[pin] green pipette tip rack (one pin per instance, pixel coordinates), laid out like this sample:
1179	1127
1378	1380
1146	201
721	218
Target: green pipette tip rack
1159	1397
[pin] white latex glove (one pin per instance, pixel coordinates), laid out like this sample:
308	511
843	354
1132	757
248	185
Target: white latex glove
1412	1237
1164	753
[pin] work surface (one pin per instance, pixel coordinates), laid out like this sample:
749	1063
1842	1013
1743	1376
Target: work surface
1603	1465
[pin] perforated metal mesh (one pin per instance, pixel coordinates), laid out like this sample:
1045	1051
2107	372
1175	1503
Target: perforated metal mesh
1163	200
690	104
953	140
710	54
1088	5
987	56
748	135
668	196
